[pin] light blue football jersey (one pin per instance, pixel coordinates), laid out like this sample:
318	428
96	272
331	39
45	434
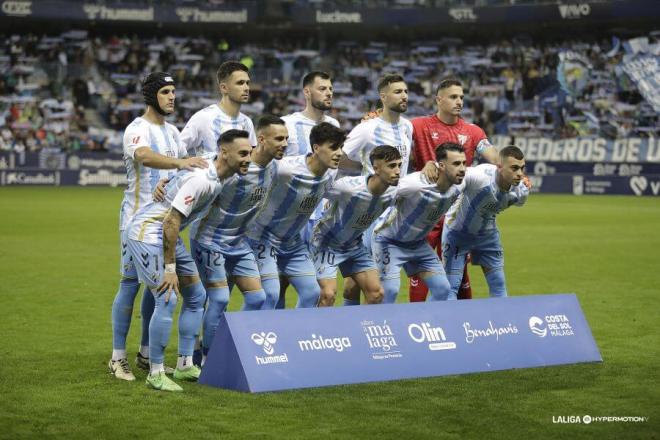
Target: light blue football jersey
203	129
419	206
293	197
226	223
189	192
353	208
481	201
142	180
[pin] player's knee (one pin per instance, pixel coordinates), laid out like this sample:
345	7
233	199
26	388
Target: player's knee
441	288
375	295
218	297
308	290
194	296
163	307
391	290
254	300
328	295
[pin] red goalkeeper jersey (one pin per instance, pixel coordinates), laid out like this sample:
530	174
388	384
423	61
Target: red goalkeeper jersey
429	132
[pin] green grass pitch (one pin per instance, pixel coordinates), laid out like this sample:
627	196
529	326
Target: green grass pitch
59	263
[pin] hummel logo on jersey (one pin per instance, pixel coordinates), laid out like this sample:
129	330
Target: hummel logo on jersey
435	135
145	259
188	200
136	139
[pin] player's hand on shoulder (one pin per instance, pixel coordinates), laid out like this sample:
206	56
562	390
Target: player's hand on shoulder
191	163
372	115
159	192
430	171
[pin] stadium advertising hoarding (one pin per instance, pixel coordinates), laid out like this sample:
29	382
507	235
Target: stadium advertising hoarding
300	348
238	13
243	12
523	14
629	150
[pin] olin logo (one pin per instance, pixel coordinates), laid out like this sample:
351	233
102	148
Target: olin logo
435	336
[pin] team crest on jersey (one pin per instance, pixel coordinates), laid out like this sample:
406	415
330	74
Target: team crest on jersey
188	200
462	139
435	135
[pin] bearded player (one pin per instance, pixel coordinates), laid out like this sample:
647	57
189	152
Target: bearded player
446	125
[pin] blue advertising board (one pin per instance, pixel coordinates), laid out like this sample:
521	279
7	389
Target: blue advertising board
300	348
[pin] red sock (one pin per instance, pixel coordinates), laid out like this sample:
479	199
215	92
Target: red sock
417	289
465	291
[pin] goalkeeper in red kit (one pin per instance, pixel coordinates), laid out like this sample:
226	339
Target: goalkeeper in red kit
430	131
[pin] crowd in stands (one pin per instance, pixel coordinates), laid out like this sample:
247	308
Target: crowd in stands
76	91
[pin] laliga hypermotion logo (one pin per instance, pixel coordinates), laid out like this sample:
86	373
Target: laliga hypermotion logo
266	340
536	325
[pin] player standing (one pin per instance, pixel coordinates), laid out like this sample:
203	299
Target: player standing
161	257
400	240
204	128
446	125
151	151
218	242
318	93
470	224
389	128
355	203
317	90
274	235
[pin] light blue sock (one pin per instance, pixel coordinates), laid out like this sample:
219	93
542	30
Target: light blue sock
146	311
253	299
218	300
391	287
496	283
351	302
160	327
439	287
271	288
454	283
190	319
122	309
308	290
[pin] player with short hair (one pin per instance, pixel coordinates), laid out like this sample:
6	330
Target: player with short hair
446	125
470	224
201	133
217	241
161	257
355	203
388	128
318	93
400	240
274	235
151	152
317	90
